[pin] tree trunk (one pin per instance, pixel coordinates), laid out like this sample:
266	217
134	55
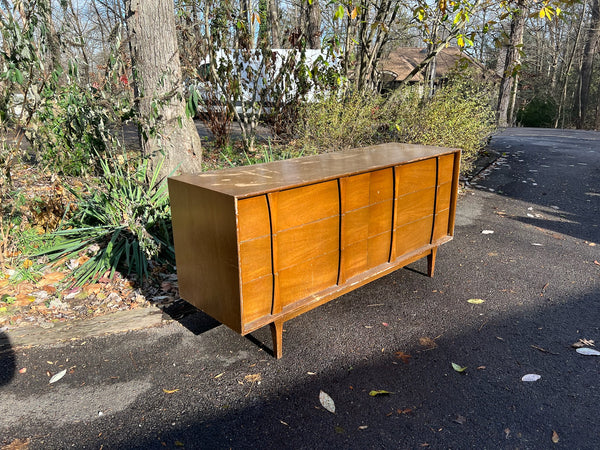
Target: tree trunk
511	65
313	28
560	116
164	127
274	19
585	76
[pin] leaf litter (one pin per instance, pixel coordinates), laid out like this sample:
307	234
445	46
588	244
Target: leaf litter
588	351
530	377
56	377
376	393
327	402
458	368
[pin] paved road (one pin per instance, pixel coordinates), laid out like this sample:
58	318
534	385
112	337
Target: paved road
541	287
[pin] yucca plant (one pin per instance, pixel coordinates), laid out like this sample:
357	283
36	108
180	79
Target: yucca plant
120	224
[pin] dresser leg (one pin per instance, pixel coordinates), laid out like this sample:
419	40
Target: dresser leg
277	335
431	262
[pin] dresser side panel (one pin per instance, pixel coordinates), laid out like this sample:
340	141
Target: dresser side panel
206	249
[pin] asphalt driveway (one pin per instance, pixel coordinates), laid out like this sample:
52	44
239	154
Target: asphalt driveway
527	243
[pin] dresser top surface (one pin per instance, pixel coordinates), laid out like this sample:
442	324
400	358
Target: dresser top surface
259	179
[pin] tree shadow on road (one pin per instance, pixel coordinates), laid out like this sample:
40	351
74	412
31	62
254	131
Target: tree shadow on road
7	360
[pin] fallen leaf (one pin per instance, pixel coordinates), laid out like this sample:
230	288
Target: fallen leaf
327	402
170	391
588	351
384	324
403	356
51	278
220	375
582	343
592	244
458	368
17	444
461	420
179	444
476	301
58	376
252	378
597	263
379	392
531	377
339	430
555	437
427	342
481	368
23	370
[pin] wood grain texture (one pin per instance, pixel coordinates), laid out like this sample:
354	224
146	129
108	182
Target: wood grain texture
253	218
259	245
415	177
297	245
250	181
205	236
414	235
308	278
257	296
299	206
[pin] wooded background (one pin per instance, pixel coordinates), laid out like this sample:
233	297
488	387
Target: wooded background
545	51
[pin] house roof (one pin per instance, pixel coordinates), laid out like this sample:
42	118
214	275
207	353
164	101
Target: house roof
403	60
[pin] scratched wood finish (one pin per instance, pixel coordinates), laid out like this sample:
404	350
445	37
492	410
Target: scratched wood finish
259	245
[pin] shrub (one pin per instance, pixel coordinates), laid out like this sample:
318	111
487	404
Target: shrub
121	224
336	124
459	115
539	113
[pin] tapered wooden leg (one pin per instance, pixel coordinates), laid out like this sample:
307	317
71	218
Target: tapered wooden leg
431	262
277	334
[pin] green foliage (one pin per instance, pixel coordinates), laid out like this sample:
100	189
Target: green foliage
264	154
71	128
459	115
338	123
539	112
121	224
66	119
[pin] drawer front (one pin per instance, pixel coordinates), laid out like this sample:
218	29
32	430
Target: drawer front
299	206
414	206
253	218
367	209
446	169
308	278
415	176
413	236
255	258
444	193
299	244
257	298
440	229
306	241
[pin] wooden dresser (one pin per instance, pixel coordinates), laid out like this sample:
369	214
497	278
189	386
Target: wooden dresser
259	245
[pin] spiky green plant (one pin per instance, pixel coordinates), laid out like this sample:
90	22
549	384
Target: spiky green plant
121	224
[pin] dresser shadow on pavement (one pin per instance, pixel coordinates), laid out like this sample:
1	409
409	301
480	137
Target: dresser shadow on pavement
190	317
